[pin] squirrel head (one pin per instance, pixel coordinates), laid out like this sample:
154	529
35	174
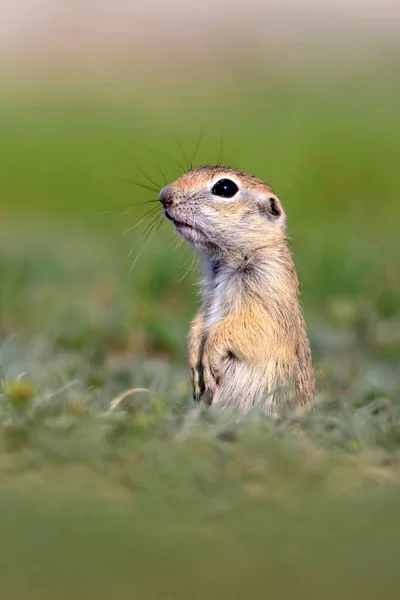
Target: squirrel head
224	212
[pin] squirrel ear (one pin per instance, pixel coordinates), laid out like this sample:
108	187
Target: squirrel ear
272	206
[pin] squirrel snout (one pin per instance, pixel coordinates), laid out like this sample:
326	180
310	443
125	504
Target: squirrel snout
166	196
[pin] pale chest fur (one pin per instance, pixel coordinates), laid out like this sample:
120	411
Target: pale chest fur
220	296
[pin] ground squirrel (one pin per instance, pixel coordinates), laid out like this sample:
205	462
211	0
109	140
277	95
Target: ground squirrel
248	343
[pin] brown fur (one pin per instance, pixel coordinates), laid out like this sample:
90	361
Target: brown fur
248	344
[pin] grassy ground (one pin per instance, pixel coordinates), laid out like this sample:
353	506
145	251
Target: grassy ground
109	489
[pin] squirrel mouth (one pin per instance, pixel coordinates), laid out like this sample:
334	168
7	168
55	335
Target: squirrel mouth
182	225
179	224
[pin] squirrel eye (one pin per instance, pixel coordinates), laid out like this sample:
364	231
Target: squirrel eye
225	188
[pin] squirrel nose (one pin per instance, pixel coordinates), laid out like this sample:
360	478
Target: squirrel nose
166	196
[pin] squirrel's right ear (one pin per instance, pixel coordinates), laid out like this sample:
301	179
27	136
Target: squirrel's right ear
272	207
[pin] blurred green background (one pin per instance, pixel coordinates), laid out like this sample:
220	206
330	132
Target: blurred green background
109	489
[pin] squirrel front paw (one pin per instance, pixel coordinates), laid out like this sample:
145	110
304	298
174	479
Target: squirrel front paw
210	382
210	372
204	386
205	383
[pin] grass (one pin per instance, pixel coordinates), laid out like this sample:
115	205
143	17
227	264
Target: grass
107	489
